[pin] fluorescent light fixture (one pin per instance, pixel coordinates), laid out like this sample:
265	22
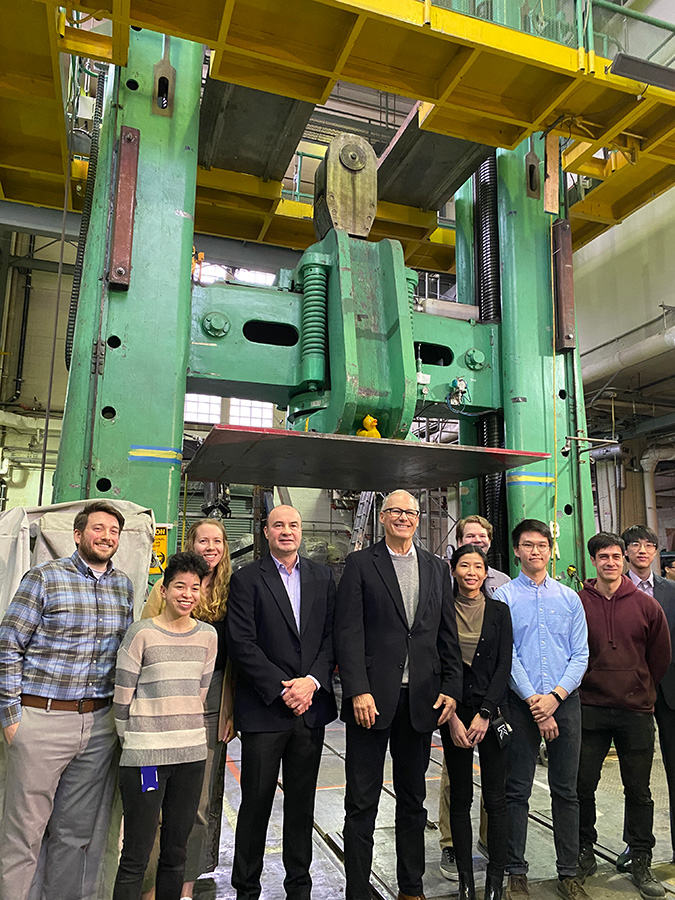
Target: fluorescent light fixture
643	71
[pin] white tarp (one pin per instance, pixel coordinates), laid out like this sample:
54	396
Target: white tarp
34	535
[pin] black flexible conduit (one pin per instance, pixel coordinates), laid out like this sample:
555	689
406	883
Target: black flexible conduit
487	241
488	290
86	213
18	381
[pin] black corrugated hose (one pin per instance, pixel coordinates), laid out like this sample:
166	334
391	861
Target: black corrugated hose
86	212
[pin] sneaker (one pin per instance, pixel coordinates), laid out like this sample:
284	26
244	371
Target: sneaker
516	888
623	860
649	887
447	866
482	849
587	863
571	888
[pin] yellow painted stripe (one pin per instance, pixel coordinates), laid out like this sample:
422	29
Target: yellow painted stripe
156	454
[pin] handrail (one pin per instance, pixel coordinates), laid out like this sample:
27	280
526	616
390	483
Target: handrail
633	14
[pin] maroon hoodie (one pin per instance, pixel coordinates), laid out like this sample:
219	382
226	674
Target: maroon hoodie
629	647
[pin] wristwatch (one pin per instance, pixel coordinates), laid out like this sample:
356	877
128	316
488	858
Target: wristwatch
557	696
484	713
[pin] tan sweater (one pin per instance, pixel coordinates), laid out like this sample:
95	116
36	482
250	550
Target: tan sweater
160	686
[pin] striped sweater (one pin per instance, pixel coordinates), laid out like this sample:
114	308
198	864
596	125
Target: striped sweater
161	683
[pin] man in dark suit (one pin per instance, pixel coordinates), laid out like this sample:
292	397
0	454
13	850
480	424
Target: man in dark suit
279	637
641	548
401	671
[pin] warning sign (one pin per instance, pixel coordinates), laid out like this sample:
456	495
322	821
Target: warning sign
160	549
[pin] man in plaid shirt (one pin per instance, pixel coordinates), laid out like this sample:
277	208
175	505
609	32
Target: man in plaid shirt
58	646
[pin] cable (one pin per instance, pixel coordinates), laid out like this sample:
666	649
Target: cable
86	216
50	388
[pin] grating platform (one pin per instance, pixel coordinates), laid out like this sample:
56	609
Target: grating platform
240	455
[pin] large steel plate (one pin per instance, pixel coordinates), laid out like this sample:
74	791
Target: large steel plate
268	456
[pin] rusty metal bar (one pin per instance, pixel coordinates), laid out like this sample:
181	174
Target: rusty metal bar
119	273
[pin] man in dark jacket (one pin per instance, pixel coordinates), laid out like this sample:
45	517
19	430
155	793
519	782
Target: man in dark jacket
401	671
629	653
279	636
641	548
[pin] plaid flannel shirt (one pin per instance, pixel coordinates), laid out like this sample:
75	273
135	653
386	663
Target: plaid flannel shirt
61	632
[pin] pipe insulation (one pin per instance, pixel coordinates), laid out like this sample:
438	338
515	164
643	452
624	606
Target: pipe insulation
649	461
600	364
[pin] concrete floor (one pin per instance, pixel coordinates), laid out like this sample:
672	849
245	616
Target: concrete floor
327	872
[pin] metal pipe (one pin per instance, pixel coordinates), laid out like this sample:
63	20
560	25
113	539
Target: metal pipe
622	354
649	461
18	381
633	14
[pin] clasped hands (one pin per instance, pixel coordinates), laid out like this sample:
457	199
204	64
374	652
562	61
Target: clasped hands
542	707
298	694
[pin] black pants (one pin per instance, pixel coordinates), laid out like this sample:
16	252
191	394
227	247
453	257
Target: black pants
366	749
665	719
459	762
633	736
177	797
298	750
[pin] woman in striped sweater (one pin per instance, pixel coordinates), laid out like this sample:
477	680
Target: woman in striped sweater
164	669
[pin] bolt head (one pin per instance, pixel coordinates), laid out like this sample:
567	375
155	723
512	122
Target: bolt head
120	271
215	324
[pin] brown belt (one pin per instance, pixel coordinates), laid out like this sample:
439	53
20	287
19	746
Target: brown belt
86	705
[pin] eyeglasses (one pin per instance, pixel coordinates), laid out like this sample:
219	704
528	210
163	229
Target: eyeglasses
637	545
399	513
541	546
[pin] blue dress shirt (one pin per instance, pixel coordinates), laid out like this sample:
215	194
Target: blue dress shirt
550	637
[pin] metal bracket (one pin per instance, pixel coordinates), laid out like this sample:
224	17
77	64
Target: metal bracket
119	274
98	358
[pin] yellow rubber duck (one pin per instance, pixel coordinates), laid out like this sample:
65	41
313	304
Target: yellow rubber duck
369	428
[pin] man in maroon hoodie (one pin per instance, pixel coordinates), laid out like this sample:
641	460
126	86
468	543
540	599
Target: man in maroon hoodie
629	653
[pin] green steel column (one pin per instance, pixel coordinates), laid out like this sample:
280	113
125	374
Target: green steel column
123	426
542	405
464	239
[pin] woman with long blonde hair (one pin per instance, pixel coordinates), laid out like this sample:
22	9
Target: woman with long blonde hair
208	538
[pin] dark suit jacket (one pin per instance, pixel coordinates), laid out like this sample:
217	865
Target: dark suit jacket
487	678
664	592
264	644
372	637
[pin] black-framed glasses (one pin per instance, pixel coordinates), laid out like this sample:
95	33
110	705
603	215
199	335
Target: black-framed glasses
397	513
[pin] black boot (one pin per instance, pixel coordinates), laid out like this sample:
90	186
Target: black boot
467	889
493	886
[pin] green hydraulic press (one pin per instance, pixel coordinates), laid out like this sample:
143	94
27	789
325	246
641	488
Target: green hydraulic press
332	341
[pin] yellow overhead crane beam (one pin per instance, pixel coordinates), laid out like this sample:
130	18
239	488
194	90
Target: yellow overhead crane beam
477	80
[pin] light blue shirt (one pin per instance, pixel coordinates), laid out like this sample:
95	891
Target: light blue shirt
550	637
291	582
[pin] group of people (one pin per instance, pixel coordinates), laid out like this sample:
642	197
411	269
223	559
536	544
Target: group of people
497	665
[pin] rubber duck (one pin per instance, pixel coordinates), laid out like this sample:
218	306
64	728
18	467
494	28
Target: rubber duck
369	428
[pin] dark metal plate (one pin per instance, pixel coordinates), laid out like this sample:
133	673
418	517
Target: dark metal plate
299	459
244	130
423	169
125	209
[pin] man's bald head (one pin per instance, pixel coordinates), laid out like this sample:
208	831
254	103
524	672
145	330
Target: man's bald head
284	532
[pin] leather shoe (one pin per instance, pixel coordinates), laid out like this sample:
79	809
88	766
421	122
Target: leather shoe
411	896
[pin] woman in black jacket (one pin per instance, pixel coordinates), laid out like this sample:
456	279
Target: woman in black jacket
486	641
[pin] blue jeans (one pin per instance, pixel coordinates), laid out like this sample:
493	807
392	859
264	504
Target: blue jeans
563	765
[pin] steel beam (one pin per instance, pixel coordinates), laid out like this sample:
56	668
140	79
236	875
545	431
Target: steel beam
543	400
121	442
